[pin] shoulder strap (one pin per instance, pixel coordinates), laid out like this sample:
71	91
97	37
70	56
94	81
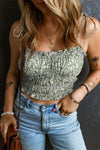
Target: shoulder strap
86	17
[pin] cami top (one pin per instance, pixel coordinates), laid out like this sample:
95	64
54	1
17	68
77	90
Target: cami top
52	75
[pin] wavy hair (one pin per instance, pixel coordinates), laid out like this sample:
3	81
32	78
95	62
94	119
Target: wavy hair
67	12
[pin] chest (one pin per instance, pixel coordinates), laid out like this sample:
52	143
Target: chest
46	45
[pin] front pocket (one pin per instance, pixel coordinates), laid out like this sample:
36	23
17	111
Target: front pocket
59	112
22	104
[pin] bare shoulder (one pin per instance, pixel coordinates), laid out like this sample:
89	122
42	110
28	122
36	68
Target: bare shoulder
14	42
14	34
93	26
93	51
93	32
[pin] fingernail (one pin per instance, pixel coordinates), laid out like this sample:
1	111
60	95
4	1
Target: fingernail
15	129
5	142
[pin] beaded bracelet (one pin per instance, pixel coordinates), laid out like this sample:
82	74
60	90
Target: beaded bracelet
73	99
10	113
86	88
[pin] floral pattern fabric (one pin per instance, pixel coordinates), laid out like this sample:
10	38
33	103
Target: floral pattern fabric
51	75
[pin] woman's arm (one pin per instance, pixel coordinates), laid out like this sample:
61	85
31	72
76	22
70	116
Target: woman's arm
13	72
11	82
93	53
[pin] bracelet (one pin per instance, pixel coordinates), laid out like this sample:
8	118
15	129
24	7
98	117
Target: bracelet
10	113
73	99
86	88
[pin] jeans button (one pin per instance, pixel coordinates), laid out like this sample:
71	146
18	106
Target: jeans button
42	108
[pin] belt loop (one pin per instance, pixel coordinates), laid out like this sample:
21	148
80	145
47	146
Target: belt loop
27	103
42	108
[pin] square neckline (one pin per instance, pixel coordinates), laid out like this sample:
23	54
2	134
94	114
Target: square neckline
61	50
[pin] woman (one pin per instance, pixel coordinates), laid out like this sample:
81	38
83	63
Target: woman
57	37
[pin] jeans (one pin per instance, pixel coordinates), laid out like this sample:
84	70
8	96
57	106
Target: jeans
37	120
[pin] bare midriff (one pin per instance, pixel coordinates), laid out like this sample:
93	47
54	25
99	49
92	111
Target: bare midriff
44	102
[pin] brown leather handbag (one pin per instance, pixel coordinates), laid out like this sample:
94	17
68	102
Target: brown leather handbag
13	139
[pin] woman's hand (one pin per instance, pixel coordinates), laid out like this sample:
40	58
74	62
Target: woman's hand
67	106
5	121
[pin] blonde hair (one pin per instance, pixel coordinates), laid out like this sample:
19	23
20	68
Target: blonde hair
67	12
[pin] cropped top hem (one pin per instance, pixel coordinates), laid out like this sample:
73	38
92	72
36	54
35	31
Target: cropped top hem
48	96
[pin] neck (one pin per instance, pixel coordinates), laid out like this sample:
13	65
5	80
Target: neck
50	19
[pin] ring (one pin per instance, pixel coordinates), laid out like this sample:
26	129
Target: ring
65	113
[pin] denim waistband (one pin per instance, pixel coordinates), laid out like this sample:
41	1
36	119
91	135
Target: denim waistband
28	101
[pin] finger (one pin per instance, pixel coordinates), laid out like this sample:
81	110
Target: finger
67	113
5	133
59	105
62	112
14	125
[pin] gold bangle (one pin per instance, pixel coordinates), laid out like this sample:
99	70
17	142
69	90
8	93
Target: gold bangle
73	99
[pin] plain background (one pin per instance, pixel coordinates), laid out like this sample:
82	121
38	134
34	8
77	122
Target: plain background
89	109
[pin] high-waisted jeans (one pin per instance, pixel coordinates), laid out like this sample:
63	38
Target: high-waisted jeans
37	120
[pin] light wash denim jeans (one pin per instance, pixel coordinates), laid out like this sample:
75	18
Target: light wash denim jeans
37	120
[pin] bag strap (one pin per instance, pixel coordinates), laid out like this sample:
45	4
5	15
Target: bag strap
20	82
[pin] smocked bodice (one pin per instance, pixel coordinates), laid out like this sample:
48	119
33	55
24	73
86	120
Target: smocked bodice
51	75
